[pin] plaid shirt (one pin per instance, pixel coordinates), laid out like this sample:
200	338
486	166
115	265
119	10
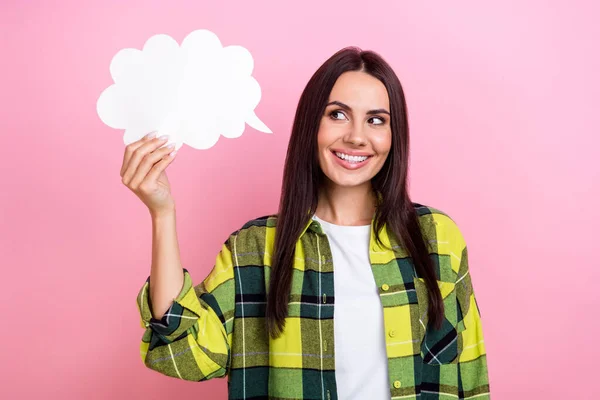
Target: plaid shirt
217	328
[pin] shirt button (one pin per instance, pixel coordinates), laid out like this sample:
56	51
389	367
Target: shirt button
392	333
385	287
397	384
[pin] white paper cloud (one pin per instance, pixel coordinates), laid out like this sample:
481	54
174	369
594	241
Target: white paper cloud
193	92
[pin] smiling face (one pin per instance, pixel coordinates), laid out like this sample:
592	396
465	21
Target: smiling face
355	135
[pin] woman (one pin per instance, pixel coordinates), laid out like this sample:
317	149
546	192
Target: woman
395	318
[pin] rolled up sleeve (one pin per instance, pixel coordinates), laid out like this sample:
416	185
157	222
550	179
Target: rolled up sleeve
181	315
192	340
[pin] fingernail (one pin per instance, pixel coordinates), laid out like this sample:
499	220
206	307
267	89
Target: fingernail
151	135
172	154
171	146
164	137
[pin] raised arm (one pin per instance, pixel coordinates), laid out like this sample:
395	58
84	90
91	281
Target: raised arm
187	333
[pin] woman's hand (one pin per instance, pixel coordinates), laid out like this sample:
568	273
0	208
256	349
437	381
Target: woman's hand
143	171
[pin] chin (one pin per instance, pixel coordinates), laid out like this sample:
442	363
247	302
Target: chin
349	182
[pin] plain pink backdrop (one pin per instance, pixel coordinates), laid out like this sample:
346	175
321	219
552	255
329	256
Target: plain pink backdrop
503	103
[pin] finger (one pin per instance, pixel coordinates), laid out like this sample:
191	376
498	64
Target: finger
160	166
139	154
147	164
132	147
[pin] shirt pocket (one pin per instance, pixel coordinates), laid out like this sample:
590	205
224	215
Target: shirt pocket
439	346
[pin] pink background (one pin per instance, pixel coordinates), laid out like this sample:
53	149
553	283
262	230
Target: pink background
503	102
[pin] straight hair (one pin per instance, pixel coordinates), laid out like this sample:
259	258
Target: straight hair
302	178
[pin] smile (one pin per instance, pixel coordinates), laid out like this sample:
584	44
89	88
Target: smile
350	162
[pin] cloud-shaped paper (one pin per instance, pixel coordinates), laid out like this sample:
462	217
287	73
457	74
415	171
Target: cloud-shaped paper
193	92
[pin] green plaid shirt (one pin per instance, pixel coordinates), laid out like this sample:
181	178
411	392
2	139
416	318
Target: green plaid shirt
217	328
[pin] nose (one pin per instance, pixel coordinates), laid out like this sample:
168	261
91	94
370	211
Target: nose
356	135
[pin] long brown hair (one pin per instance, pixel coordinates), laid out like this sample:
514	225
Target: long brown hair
302	178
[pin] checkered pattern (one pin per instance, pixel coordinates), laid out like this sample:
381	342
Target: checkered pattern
217	328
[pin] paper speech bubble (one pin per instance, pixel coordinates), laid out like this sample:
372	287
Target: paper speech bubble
194	92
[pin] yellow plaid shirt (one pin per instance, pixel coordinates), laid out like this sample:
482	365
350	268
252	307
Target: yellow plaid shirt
217	328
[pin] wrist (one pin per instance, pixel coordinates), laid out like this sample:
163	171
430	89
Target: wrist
158	216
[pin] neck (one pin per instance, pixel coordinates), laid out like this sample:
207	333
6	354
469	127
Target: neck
352	206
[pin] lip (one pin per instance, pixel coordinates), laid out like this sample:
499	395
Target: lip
351	166
352	152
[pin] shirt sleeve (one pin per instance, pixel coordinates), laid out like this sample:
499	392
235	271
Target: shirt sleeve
192	340
472	359
454	355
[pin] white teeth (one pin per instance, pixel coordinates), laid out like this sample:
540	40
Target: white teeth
352	159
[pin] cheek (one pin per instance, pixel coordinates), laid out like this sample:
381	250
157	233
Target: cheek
324	137
322	144
382	143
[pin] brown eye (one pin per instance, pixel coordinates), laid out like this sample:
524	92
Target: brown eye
377	121
337	115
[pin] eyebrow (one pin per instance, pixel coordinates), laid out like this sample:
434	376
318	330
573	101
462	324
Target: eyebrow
347	108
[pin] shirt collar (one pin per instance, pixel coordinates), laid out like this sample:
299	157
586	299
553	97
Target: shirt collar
315	226
312	225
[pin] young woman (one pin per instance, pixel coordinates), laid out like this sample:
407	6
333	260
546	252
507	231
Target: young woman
351	291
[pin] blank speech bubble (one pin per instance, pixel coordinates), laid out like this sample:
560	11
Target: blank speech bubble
194	92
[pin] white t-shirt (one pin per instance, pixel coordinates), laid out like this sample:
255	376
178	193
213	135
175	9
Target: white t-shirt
361	365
